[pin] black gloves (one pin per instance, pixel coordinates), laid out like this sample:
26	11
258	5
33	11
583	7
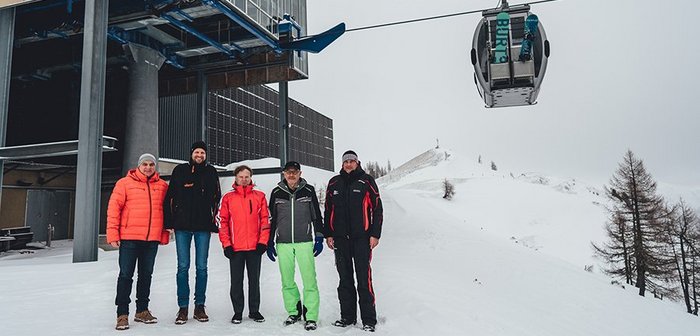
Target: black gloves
261	248
228	252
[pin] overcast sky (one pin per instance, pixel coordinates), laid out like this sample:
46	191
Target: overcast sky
622	74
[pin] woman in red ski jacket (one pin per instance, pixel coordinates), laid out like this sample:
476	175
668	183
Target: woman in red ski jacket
244	232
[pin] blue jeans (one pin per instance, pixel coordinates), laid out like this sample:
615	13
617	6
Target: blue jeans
183	243
131	252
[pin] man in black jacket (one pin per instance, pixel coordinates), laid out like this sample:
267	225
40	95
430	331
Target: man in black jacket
190	206
353	226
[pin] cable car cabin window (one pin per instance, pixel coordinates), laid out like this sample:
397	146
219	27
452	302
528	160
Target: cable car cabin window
517	29
482	45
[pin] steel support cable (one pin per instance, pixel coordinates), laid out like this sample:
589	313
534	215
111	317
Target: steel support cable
436	17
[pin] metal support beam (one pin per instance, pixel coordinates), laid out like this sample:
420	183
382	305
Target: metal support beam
92	94
50	149
141	130
7	36
231	14
284	123
177	23
202	104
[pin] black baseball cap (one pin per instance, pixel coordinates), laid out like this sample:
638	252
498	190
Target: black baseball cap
292	165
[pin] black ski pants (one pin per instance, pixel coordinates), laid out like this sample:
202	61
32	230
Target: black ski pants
249	260
355	252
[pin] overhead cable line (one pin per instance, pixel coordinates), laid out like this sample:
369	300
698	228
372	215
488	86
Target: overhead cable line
435	17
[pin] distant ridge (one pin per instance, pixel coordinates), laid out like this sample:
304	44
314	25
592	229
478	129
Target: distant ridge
431	157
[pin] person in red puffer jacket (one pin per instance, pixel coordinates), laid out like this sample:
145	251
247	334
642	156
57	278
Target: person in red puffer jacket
244	231
135	226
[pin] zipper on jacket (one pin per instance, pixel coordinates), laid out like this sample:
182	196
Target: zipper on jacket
291	198
150	207
348	220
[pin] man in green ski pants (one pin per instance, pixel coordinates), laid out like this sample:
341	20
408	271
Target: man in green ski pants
296	225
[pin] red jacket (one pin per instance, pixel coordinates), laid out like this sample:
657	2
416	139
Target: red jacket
135	210
244	219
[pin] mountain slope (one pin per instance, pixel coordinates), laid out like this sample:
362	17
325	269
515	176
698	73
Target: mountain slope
442	267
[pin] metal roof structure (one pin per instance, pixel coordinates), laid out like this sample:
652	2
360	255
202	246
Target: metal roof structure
235	42
221	43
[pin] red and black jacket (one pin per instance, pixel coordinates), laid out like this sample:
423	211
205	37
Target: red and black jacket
353	207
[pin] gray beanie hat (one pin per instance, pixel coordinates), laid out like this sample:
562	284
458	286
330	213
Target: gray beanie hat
147	157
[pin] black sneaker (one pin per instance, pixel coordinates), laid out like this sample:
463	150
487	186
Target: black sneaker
292	319
310	325
237	318
257	317
368	327
344	323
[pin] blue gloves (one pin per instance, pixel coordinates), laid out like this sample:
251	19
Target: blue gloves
318	246
271	252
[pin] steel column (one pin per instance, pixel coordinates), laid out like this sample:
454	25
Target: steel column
141	131
92	94
284	123
7	37
202	105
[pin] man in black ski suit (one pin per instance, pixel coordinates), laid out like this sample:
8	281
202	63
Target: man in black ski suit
353	226
190	208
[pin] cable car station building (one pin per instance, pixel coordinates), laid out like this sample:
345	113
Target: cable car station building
110	80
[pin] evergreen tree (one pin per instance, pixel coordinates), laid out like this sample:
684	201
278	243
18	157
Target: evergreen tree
374	169
493	166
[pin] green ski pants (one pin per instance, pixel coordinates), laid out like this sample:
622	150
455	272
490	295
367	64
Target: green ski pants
304	254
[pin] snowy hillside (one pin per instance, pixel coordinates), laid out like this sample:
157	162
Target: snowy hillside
554	216
504	257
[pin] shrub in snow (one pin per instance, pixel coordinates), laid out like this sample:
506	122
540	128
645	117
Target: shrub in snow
449	189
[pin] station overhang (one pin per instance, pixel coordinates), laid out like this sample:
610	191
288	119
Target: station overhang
231	42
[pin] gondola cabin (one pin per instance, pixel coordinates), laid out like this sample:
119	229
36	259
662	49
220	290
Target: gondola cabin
509	54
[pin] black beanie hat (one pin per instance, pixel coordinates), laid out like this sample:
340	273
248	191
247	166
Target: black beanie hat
198	144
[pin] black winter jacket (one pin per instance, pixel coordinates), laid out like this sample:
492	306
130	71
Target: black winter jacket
295	216
353	207
193	198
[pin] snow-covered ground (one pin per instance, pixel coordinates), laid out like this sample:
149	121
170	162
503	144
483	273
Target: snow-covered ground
505	256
